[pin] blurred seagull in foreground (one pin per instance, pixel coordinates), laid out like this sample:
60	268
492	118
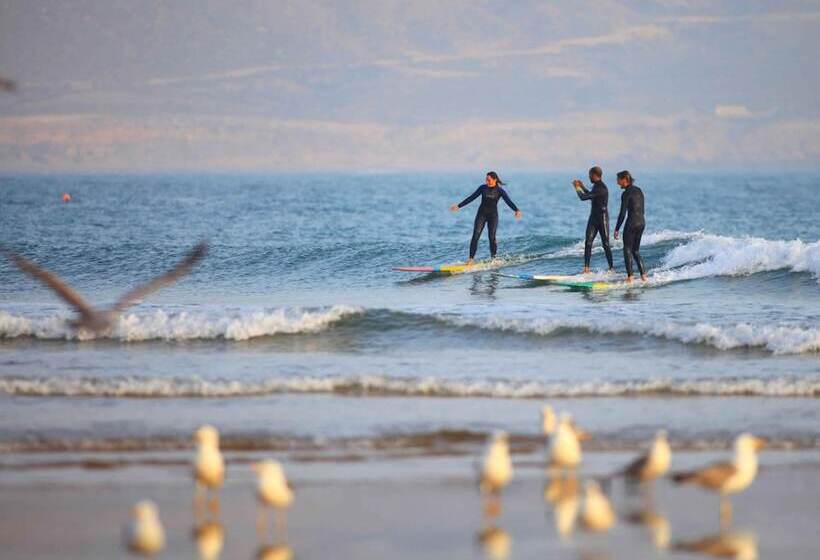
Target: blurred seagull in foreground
144	535
652	464
209	466
549	424
272	489
565	450
740	545
96	320
547	420
728	478
496	469
597	514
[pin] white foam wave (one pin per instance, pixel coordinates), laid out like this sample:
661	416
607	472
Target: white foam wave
714	255
649	239
776	339
161	325
138	387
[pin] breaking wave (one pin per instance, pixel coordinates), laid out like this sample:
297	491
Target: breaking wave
161	387
160	325
715	255
776	339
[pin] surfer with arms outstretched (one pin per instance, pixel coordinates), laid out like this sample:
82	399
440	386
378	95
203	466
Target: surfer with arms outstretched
487	214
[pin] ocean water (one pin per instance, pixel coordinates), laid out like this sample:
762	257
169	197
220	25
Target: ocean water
295	334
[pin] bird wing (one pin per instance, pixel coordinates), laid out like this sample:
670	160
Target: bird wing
52	281
715	475
182	268
635	468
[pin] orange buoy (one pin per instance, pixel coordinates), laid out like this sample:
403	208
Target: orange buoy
66	197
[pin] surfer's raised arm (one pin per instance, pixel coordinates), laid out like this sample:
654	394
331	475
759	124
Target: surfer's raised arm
585	194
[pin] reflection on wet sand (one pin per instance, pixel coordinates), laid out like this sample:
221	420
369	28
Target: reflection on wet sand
563	493
210	539
496	542
597	514
274	552
144	534
658	525
740	545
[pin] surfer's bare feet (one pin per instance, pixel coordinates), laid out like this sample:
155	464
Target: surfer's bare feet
644	278
628	279
586	270
470	262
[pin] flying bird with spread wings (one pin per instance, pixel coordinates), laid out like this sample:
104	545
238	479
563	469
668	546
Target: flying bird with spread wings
96	320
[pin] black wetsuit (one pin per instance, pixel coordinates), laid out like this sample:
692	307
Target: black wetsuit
598	222
487	214
632	202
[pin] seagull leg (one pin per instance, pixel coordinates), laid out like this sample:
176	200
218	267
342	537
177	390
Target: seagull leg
725	512
281	526
199	498
261	521
213	505
492	505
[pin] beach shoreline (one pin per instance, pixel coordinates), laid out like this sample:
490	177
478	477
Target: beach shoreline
399	508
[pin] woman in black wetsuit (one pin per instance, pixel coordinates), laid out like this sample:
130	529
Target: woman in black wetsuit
631	202
487	213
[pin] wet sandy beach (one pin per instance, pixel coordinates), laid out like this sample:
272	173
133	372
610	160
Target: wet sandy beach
423	507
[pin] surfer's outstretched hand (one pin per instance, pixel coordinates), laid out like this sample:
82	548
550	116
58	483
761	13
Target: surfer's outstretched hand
454	208
518	214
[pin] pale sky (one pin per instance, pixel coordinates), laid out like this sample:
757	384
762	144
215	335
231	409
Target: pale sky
144	86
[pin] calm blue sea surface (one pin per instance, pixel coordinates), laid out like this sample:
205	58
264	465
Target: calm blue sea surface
295	325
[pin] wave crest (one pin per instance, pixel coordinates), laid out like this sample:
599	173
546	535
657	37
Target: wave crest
778	339
159	325
138	387
715	255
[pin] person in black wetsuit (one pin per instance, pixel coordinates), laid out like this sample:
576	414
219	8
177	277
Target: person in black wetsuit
631	203
490	192
598	223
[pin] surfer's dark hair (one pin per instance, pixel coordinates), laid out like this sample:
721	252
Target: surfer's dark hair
597	171
626	175
494	175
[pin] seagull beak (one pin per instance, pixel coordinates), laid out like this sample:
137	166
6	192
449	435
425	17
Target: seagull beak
760	443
